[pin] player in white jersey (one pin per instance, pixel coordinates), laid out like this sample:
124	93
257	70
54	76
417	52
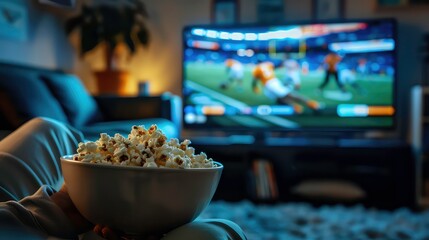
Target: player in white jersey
292	73
348	77
235	71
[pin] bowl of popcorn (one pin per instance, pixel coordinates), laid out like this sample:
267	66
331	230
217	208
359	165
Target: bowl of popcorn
142	184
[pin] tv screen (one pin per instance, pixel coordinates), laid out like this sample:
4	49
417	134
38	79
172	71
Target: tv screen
325	75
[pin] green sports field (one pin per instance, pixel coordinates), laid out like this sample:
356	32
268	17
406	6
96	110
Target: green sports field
377	91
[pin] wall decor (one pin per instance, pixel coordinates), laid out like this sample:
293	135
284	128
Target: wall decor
13	20
328	9
225	11
389	4
270	11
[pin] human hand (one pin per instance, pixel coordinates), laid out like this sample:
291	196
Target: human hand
62	200
106	232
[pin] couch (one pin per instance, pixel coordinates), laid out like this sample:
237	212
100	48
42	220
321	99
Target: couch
28	92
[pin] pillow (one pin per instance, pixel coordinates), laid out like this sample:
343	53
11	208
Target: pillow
80	107
30	96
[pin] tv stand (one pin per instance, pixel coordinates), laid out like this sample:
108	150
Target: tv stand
332	139
383	168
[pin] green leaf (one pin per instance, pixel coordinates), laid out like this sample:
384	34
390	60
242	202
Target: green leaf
89	39
130	43
72	23
105	23
143	36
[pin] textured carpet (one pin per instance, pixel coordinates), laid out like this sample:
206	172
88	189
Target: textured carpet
304	221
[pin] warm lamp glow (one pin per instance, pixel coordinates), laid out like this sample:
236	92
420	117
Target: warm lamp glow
130	87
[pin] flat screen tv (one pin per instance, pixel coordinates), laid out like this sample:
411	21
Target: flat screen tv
323	76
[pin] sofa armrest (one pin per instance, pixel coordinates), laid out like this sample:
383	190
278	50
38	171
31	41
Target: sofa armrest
116	108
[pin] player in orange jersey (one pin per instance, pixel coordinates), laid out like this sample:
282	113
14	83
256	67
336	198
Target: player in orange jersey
263	74
331	62
235	73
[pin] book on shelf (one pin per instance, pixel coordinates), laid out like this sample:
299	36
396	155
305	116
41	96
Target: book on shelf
265	180
272	182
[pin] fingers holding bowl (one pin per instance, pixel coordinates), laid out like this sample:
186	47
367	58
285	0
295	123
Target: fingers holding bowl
106	232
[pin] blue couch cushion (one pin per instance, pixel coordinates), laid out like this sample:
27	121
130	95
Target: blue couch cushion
80	107
30	96
92	132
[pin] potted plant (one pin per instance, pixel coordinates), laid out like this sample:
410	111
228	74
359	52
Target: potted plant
111	24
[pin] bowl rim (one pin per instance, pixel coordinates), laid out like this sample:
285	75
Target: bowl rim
69	159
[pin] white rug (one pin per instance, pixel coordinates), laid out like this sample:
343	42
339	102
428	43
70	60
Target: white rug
303	221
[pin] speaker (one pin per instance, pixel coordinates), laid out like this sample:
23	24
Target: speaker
419	139
419	118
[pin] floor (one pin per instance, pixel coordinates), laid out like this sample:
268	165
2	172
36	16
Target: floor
304	221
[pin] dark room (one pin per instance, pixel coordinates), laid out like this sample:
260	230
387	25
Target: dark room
214	119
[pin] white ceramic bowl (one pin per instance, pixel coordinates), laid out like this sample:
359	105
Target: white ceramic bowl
137	200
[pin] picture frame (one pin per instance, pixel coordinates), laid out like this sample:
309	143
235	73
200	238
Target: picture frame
400	4
391	3
14	19
328	9
270	11
225	11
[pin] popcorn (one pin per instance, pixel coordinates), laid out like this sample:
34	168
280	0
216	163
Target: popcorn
143	147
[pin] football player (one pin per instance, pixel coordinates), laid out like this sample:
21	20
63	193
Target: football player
292	73
235	72
263	74
331	62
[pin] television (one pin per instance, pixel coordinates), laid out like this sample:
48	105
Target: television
330	76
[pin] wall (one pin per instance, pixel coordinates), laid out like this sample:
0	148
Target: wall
160	64
45	38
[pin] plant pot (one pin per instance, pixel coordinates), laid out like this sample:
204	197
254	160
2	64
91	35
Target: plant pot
113	82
